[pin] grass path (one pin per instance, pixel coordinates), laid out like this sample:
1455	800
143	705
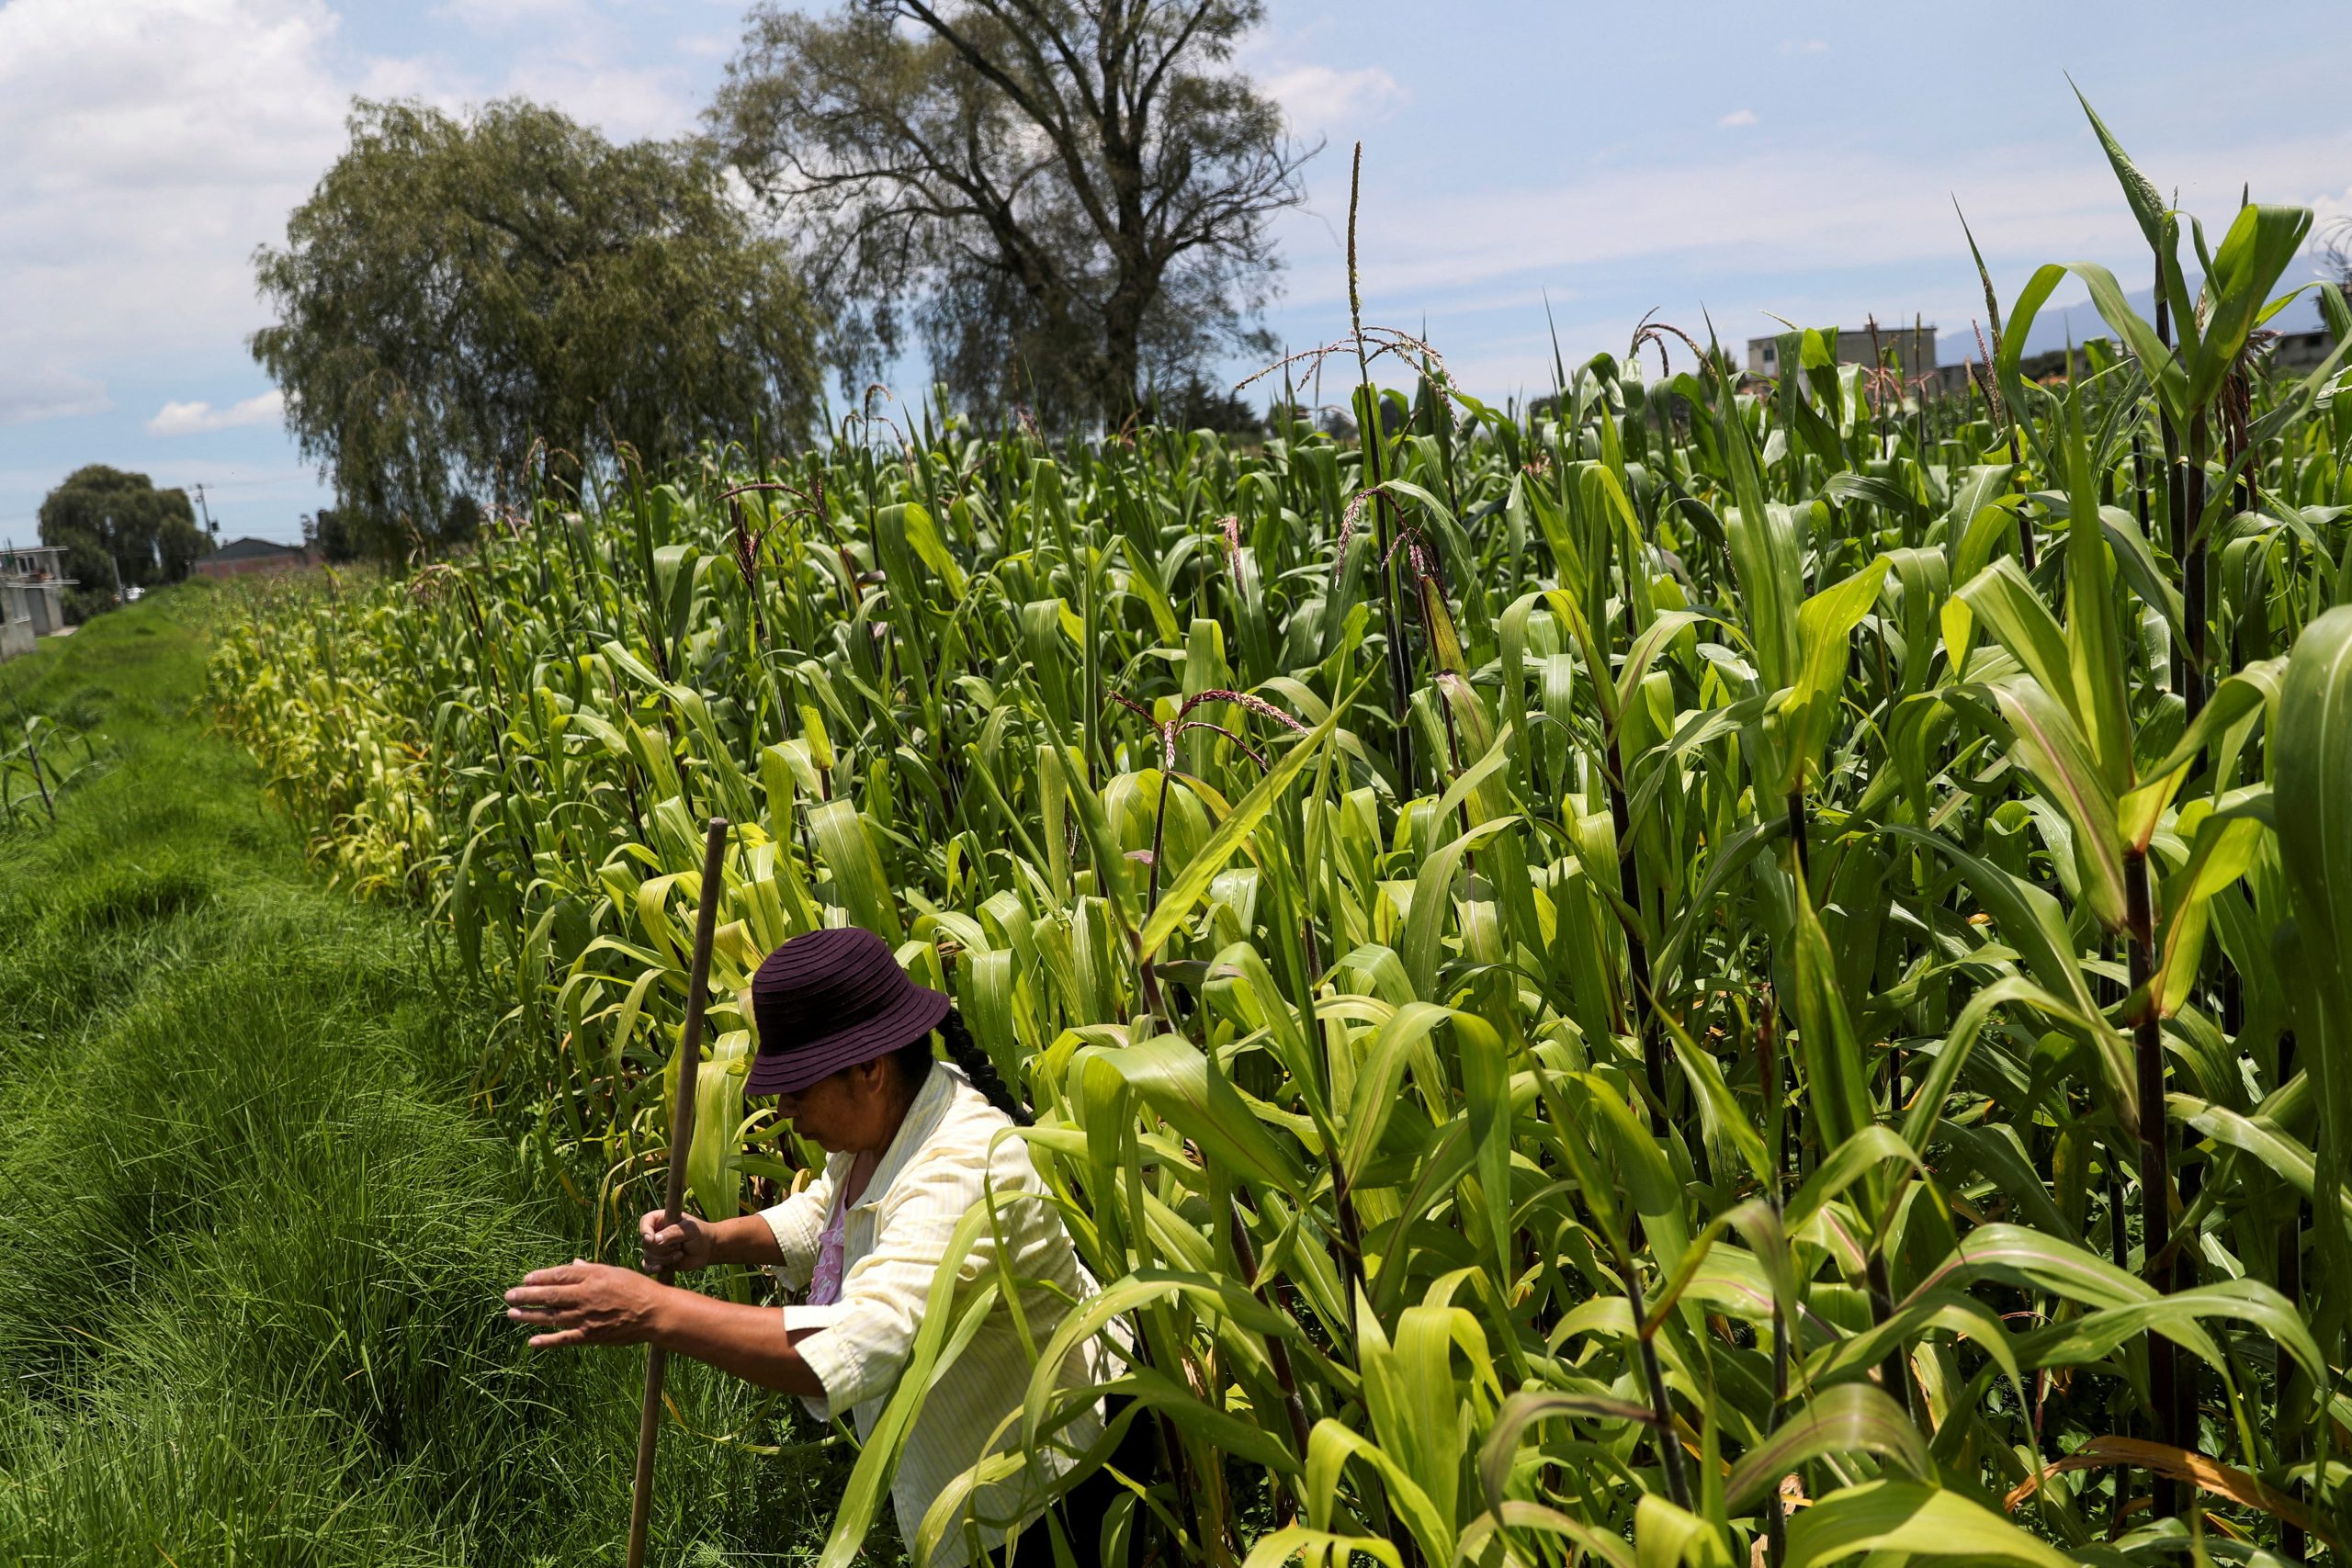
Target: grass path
250	1236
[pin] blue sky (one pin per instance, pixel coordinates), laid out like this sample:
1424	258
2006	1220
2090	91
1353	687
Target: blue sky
1743	160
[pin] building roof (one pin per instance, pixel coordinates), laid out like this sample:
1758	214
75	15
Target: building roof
37	565
253	549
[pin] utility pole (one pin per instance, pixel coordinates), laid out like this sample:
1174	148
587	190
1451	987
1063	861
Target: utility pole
113	565
211	529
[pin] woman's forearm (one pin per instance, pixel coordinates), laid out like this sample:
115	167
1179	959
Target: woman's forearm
749	1341
596	1304
745	1239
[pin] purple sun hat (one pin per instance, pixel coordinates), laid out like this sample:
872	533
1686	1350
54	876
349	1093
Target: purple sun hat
829	1000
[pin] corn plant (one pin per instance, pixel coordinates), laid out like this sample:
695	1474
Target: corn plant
39	759
1735	1003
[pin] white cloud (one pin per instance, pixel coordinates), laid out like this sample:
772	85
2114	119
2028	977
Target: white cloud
1800	209
498	15
1813	233
576	56
201	418
624	101
30	392
1803	46
153	143
1321	100
2332	212
1739	119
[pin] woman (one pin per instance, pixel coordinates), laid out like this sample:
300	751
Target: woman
844	1044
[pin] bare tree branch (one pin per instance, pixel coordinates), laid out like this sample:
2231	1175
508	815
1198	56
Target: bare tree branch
1073	196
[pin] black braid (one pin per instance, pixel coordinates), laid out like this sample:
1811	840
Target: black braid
965	1052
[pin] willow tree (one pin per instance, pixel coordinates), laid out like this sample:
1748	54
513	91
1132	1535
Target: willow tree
457	289
1068	200
119	531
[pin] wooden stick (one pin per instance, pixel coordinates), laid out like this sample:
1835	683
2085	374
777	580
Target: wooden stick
682	1132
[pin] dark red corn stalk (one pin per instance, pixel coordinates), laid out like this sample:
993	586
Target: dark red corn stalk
2155	1160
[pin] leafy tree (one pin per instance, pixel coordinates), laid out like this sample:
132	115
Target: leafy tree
333	535
1201	405
457	291
1068	200
179	542
115	523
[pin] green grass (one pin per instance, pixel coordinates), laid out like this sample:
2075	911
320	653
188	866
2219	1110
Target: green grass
252	1237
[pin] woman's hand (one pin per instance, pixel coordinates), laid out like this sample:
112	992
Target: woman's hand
685	1245
587	1304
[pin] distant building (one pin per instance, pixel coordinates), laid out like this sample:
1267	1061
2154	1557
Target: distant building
2300	354
1914	347
2292	355
2289	354
243	556
32	596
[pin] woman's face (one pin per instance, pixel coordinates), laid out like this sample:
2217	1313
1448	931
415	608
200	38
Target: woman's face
852	1110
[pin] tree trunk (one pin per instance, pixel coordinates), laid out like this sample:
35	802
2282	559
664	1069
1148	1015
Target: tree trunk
1123	348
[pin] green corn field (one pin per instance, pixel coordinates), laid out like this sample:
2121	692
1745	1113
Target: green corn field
1697	973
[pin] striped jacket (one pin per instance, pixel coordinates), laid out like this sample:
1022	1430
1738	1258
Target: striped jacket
895	1239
